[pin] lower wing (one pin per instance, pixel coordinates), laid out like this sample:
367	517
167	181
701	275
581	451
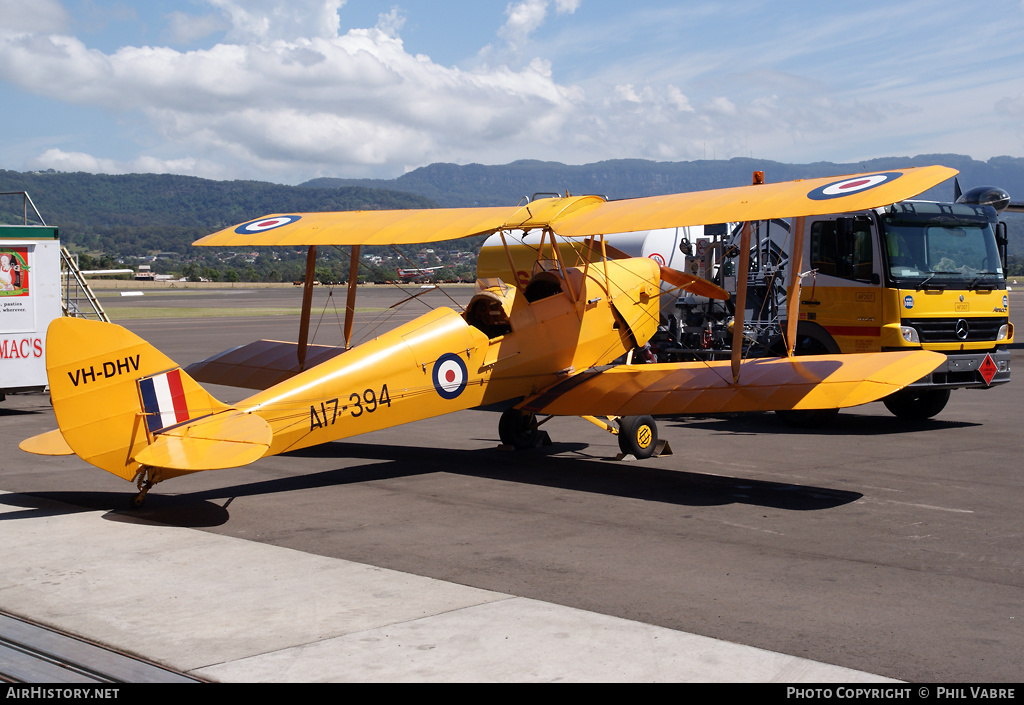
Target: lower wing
765	384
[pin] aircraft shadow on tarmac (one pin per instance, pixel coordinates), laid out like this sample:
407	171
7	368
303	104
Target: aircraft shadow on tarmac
843	424
21	412
632	480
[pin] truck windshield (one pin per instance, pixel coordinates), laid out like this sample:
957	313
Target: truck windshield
933	245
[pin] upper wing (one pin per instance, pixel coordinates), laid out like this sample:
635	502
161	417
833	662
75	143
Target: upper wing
790	199
404	227
580	216
766	384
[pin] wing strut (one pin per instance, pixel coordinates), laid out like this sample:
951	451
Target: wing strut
793	295
741	302
307	303
350	301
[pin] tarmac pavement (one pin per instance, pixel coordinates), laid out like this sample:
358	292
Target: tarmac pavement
326	566
230	610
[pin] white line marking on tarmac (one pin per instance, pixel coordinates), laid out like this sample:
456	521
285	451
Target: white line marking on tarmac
867	500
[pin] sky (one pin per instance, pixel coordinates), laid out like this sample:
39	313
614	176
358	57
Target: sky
290	90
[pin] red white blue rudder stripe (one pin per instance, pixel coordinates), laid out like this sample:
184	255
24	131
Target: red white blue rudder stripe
163	399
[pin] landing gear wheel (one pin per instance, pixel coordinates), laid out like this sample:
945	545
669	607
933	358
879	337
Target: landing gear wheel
519	429
638	436
917	404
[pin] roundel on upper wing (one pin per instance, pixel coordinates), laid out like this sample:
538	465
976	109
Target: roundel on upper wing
450	375
846	187
264	224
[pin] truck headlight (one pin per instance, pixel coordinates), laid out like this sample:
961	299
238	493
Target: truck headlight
909	334
1004	332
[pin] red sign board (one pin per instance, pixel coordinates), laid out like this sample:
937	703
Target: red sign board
988	369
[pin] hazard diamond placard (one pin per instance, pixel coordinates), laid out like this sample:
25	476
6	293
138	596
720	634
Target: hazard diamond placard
988	369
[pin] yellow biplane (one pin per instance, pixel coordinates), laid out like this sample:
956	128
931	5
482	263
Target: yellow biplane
543	345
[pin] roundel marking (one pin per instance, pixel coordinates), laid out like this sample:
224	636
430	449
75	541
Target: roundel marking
845	187
264	224
657	258
450	375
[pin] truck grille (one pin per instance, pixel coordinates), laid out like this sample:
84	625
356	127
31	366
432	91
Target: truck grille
944	330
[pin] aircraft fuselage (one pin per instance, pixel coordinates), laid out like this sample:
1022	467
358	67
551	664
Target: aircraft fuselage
506	346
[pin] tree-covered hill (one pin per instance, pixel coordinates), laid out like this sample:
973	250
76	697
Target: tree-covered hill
137	214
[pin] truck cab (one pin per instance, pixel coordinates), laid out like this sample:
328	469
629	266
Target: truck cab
912	275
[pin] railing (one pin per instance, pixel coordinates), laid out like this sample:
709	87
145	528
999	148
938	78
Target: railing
77	299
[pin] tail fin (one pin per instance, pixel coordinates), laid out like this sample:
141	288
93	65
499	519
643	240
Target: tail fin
112	391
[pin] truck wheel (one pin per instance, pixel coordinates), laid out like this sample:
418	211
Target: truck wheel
638	436
518	429
917	404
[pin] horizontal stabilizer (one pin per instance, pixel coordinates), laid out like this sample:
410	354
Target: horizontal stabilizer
767	384
259	365
225	440
49	443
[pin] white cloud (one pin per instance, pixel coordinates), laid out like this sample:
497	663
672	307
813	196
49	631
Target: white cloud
326	104
675	97
185	28
35	16
59	160
391	23
1012	107
722	106
526	16
523	18
285	96
257	20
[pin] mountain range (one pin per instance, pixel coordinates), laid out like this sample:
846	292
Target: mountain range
480	185
138	214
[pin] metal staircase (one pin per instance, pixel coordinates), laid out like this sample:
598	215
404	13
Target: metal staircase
77	299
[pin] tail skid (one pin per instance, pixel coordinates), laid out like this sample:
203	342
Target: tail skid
125	407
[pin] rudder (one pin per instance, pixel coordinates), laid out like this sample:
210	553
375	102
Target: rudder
111	391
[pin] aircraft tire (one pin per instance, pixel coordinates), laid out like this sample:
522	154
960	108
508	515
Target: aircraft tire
518	429
638	436
917	405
